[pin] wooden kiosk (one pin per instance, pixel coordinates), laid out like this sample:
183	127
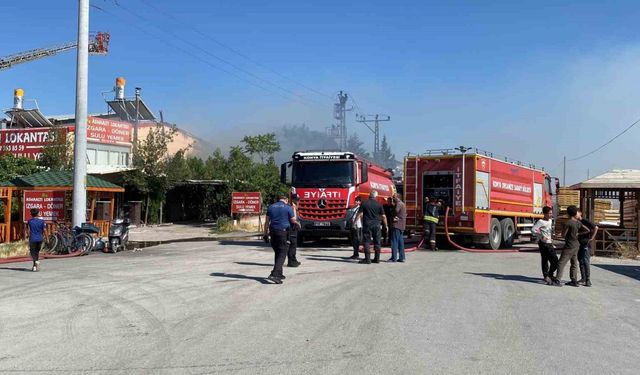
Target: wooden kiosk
622	186
98	190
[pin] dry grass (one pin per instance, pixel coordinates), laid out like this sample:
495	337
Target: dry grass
629	251
14	249
225	225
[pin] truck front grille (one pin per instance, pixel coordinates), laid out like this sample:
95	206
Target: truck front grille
336	209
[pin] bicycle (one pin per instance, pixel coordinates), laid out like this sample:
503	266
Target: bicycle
68	241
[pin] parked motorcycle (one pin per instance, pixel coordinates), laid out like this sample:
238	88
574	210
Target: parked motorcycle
118	235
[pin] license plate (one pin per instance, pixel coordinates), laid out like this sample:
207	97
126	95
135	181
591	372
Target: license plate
321	223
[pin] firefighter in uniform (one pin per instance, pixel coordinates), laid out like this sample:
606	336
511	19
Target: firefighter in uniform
280	218
431	218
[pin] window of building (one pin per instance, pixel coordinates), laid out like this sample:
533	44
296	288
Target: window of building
91	156
103	157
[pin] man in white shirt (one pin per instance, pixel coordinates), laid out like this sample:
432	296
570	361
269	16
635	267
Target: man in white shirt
356	230
543	229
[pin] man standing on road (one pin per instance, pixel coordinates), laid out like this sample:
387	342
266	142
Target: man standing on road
371	213
584	254
572	229
543	229
356	230
280	218
36	235
388	213
397	233
293	234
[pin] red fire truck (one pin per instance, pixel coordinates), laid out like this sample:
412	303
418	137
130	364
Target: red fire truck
493	201
328	183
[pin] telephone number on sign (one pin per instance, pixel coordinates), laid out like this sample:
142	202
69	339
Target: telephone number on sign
12	148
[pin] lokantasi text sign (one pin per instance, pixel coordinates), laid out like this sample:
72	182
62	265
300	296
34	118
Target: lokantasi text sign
49	203
108	131
246	203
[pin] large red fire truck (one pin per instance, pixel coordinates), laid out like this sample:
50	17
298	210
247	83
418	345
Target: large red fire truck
493	201
328	183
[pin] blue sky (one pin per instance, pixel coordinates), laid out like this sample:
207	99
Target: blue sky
531	79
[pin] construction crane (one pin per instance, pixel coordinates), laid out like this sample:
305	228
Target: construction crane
98	45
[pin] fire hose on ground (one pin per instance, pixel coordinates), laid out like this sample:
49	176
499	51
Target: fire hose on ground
451	242
465	249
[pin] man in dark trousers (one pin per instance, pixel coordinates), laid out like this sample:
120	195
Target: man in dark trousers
397	231
293	234
389	211
572	229
372	214
431	217
584	254
356	230
543	229
36	236
280	218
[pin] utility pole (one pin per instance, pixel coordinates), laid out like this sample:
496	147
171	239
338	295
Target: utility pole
135	124
339	131
564	172
80	143
376	120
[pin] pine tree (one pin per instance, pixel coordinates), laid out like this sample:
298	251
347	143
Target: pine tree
386	158
355	145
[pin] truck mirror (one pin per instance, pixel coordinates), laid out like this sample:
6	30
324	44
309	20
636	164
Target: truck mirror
285	176
365	172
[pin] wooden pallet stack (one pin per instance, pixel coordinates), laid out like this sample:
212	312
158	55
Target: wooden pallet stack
602	211
566	197
630	214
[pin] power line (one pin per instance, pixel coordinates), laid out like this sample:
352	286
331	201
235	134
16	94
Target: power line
233	50
289	92
300	98
607	142
186	52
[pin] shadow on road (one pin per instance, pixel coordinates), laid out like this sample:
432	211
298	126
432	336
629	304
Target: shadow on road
497	276
15	269
330	259
254	264
261	280
625	270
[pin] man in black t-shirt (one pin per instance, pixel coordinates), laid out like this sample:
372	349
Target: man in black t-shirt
584	254
572	229
372	214
389	213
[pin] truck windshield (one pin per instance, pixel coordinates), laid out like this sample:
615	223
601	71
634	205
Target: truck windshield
323	174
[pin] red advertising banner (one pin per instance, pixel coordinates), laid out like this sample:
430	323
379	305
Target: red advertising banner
29	143
108	131
50	204
246	203
26	143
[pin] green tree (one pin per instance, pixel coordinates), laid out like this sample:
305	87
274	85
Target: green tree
196	166
12	167
150	176
57	154
386	158
262	144
355	145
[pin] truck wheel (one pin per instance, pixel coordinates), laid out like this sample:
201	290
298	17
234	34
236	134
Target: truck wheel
508	233
495	234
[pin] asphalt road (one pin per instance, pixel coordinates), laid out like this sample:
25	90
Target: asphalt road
205	308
